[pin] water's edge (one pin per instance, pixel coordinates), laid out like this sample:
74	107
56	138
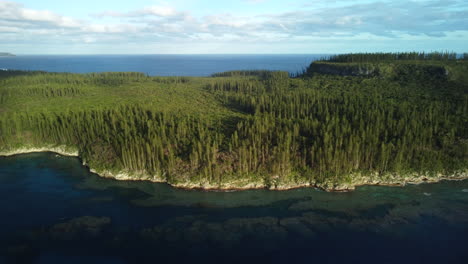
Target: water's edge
245	184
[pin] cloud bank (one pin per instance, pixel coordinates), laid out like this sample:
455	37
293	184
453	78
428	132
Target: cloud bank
315	25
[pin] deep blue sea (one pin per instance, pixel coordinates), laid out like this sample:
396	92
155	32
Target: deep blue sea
53	210
159	65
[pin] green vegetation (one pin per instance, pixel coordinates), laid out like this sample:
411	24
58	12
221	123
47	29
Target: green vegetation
409	116
389	57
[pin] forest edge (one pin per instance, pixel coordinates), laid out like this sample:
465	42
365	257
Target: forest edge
357	179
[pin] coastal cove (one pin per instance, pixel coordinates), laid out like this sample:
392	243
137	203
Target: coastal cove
357	180
81	217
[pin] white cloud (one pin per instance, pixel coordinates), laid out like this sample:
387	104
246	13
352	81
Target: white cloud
158	11
16	13
162	11
100	28
255	1
7	29
372	20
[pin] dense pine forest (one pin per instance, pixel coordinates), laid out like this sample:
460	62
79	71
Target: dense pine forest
405	114
391	57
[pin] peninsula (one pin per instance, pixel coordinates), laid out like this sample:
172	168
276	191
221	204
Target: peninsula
347	120
6	54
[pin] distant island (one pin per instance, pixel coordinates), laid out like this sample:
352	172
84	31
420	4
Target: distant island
6	54
347	120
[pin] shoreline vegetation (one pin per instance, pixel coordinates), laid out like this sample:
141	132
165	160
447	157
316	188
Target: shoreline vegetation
360	180
347	120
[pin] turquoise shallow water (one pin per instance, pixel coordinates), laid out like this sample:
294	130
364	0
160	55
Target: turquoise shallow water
55	211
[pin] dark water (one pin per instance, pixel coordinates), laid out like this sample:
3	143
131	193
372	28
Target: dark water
54	211
159	65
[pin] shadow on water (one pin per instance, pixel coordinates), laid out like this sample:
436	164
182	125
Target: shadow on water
55	211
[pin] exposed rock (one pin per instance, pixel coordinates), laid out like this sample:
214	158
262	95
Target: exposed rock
354	180
406	71
343	69
62	150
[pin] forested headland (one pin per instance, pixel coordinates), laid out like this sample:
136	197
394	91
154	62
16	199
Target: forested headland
346	120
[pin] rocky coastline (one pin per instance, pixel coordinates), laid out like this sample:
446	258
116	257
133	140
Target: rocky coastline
246	184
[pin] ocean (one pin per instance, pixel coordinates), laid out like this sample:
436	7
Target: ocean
159	65
55	211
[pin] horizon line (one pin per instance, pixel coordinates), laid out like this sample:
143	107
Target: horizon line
205	54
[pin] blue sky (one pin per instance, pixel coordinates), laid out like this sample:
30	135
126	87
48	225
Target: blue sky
242	26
